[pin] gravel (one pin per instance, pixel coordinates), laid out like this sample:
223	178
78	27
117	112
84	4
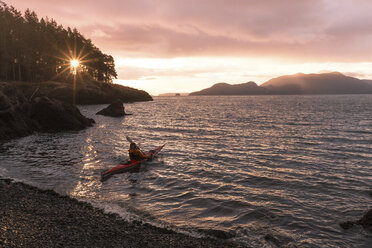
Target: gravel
31	217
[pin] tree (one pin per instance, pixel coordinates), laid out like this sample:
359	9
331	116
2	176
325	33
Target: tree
33	49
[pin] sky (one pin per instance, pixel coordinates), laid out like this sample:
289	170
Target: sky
179	46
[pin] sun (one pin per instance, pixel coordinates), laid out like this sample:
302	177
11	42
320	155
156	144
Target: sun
74	63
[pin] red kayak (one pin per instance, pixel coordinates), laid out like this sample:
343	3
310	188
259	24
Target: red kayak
130	165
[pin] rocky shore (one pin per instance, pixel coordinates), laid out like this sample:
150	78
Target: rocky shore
87	92
21	115
115	109
27	107
30	217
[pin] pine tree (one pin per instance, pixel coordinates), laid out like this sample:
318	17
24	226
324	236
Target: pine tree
33	49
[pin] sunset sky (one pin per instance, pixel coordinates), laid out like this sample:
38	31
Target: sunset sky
182	46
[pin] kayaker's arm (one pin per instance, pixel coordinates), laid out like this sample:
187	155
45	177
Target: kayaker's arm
142	154
136	154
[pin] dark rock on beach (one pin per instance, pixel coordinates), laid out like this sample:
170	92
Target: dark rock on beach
115	109
30	217
12	123
21	115
365	221
217	233
347	224
52	115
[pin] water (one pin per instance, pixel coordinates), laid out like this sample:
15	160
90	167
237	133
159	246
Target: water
292	167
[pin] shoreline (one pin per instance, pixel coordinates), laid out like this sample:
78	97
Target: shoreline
32	217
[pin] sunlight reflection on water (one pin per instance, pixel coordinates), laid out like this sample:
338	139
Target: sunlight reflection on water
291	166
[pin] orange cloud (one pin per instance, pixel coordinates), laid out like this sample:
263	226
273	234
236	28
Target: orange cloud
307	30
183	46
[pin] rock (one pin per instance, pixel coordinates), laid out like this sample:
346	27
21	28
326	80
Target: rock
115	109
271	238
12	123
20	116
218	233
366	220
347	224
53	116
4	102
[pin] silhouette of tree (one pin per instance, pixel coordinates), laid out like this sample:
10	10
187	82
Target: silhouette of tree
33	49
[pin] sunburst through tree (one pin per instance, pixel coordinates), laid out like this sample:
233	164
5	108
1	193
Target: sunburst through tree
39	50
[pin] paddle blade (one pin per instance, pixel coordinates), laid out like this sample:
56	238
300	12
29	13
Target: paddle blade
129	139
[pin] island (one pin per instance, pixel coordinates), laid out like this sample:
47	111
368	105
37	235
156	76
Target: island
298	84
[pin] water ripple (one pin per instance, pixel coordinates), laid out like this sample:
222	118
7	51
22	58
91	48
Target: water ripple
283	168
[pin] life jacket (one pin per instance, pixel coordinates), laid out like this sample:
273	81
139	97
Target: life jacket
136	154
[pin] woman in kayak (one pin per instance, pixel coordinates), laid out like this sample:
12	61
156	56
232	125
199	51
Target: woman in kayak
135	153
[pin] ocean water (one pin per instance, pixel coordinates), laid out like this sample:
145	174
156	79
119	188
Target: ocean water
288	168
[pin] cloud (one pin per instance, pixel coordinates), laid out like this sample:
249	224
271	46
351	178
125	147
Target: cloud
359	75
307	30
129	72
98	33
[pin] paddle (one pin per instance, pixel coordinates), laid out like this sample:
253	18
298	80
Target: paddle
129	139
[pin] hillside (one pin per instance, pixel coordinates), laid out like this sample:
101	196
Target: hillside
249	88
87	92
324	83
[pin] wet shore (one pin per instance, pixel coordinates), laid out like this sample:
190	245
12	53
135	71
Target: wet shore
30	217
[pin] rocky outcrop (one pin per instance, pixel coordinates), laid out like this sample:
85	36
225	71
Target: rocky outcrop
87	92
21	116
12	123
115	109
47	106
53	116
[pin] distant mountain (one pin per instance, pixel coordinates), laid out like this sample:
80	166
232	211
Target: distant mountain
324	83
367	81
249	88
174	94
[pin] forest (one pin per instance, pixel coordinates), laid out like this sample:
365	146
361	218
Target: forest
35	50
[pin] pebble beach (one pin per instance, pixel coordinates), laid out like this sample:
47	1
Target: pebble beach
31	217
